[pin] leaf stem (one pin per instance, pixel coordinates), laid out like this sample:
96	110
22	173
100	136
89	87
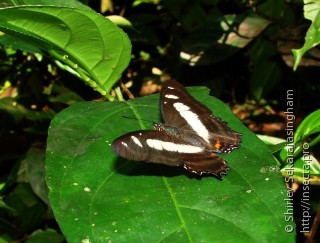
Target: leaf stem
314	141
118	93
83	75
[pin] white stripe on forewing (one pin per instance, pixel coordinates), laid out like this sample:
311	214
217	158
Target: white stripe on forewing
156	144
124	144
169	146
196	124
136	141
181	107
193	120
174	97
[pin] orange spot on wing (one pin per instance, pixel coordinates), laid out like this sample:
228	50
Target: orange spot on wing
217	145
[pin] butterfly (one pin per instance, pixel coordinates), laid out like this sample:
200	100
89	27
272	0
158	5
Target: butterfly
190	136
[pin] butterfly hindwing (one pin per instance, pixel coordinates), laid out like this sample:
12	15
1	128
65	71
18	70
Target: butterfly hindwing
222	138
207	164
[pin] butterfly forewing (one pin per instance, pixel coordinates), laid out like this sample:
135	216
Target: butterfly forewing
142	146
181	110
174	99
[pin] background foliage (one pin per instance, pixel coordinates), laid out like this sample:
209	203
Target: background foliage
241	50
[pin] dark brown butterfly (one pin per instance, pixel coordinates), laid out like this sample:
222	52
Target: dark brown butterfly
190	136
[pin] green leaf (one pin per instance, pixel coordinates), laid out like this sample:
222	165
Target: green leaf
120	21
61	3
305	170
311	12
5	207
94	47
48	235
18	44
10	106
306	166
64	95
274	144
29	209
309	126
35	172
4	238
111	199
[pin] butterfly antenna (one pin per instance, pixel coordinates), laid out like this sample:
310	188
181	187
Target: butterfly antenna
134	118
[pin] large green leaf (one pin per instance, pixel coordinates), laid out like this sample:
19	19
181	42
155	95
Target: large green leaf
98	197
93	46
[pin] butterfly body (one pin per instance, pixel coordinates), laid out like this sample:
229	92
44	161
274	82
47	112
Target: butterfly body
186	136
190	136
